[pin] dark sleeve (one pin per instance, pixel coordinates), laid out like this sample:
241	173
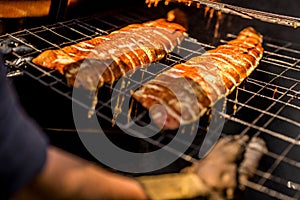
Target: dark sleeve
22	143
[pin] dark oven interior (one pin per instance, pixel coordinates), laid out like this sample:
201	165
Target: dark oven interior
267	102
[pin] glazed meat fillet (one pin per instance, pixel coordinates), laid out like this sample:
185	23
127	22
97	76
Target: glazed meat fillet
188	89
105	59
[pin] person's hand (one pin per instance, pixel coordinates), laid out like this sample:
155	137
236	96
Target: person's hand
229	165
226	168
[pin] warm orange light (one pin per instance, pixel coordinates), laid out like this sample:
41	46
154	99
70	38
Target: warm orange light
71	2
29	8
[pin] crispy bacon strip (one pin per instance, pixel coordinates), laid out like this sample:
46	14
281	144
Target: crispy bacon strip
104	59
187	90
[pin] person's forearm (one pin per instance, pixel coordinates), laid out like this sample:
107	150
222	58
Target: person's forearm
68	177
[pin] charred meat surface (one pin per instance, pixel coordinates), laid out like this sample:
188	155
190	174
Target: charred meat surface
188	89
104	59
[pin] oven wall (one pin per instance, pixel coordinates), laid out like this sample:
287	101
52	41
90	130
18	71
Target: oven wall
89	7
30	17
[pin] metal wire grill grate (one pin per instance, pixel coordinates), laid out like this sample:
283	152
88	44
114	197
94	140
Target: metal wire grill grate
267	103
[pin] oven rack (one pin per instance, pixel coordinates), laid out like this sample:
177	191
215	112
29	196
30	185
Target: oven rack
268	102
237	10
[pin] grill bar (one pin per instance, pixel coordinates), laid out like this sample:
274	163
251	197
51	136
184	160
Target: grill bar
246	12
275	83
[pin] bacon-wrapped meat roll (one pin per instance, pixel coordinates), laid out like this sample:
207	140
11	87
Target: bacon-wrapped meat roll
188	89
104	59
